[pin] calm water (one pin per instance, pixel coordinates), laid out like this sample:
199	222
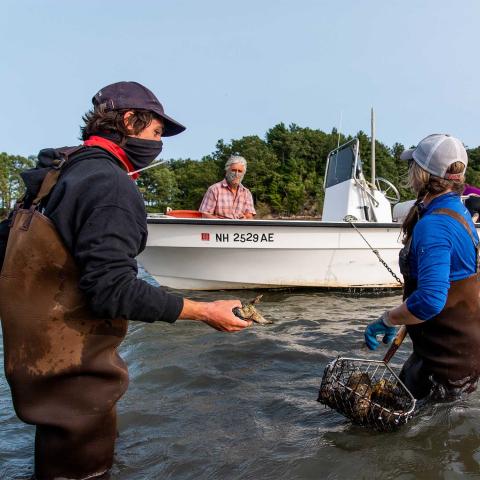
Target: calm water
208	405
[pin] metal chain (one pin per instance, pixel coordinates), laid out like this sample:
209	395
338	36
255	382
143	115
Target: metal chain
349	219
382	261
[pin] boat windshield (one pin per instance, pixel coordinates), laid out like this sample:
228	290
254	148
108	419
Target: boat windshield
341	164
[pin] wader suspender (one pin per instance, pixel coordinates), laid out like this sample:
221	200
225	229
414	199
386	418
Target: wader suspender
404	252
50	180
461	220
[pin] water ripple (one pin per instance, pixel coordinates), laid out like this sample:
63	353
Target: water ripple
207	405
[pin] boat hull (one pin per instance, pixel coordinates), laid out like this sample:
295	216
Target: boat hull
227	254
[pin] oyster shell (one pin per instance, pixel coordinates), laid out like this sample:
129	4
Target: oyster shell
249	312
360	386
385	393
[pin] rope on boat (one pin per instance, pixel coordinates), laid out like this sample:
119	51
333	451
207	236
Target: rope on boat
350	219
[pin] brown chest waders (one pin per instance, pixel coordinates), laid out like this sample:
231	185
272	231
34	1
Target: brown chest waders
448	345
61	361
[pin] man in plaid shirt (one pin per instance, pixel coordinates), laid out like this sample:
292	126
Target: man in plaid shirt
229	198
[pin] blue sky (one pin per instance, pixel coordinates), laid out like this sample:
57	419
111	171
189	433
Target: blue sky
227	69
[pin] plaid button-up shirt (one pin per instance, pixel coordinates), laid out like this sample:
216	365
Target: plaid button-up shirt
220	200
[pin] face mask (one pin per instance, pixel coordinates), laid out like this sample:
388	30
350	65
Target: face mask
231	176
142	152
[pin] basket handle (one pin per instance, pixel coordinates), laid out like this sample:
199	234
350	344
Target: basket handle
401	334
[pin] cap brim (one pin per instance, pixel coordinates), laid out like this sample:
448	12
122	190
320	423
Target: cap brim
170	126
407	154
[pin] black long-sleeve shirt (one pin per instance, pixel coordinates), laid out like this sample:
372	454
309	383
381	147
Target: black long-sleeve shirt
100	215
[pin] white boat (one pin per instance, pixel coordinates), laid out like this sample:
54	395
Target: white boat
227	254
210	254
337	252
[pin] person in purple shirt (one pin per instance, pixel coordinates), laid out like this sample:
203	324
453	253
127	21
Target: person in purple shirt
471	190
440	268
473	201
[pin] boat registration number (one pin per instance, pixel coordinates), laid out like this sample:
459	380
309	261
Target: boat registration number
245	237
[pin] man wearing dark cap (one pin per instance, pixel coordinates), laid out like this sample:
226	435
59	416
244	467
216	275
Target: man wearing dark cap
69	282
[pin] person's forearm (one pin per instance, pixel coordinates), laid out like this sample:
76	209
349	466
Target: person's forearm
193	310
401	316
217	314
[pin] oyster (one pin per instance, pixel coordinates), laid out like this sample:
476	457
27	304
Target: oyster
249	312
331	391
360	386
385	393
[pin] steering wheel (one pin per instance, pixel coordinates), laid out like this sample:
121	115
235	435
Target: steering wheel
388	189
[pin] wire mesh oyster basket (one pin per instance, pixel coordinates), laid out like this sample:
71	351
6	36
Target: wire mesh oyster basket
368	392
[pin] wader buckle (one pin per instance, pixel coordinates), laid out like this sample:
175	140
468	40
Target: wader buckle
58	164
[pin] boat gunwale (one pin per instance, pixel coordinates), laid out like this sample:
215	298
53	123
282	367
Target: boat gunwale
270	223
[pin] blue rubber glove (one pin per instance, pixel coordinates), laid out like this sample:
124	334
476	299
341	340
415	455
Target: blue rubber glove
378	327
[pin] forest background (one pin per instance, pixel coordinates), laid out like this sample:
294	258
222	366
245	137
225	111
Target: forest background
284	173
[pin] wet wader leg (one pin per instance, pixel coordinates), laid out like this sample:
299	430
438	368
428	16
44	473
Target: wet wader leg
85	447
415	377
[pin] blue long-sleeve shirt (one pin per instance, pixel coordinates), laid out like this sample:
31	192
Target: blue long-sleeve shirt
441	252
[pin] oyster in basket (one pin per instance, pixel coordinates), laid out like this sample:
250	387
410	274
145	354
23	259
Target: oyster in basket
360	386
249	312
385	393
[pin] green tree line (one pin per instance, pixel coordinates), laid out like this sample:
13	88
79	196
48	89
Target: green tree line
11	185
285	171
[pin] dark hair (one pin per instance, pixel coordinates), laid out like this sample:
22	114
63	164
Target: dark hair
425	183
101	120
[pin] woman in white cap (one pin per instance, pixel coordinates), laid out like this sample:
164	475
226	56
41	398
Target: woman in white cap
440	268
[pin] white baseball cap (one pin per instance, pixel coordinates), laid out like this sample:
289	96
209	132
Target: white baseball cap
436	153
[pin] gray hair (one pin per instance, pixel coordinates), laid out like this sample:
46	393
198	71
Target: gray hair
236	159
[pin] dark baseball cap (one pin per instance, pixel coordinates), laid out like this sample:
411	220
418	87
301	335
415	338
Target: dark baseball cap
121	95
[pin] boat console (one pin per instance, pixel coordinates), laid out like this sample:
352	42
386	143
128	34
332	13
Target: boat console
348	194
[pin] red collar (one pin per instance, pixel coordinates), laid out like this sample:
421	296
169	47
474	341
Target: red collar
114	149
